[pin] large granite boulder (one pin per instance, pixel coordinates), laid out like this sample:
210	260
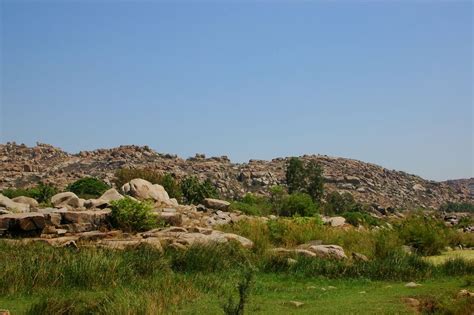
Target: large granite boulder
23	224
327	251
26	201
13	206
216	204
142	189
66	199
105	200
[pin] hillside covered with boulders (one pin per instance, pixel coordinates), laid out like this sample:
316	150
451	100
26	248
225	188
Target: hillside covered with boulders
23	166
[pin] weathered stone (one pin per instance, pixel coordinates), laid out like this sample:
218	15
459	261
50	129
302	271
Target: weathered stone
31	223
328	251
27	201
12	205
216	204
121	244
295	251
66	199
142	189
171	218
412	285
335	221
359	257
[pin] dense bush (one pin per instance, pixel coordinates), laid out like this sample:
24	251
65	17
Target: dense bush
88	187
172	186
457	207
337	203
169	183
299	204
42	192
252	204
305	178
132	216
195	192
427	235
357	218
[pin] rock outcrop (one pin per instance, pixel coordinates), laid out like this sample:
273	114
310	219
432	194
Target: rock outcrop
23	166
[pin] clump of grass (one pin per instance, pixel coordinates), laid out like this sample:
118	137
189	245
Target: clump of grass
209	258
457	267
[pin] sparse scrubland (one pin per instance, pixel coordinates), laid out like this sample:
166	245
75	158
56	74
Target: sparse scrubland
271	276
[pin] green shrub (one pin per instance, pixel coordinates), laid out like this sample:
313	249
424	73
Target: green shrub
132	216
299	204
337	203
195	192
252	204
386	243
360	218
427	235
88	187
41	192
172	186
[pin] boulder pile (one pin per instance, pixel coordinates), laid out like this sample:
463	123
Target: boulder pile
23	166
72	220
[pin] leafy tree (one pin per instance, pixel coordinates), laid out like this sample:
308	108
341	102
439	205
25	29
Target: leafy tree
305	178
88	187
315	180
295	177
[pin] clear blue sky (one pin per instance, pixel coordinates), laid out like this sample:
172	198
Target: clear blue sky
383	82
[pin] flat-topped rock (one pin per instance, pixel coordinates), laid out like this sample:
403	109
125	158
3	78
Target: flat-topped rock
23	224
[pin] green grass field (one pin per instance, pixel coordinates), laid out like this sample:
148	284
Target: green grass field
37	279
464	254
272	294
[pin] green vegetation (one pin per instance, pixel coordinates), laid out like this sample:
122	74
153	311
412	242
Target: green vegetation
357	218
88	187
142	280
427	235
132	216
279	203
189	190
297	204
305	178
41	192
457	207
195	191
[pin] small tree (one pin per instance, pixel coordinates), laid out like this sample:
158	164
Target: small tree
295	177
305	178
315	180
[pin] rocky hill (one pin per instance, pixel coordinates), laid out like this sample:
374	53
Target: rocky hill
22	166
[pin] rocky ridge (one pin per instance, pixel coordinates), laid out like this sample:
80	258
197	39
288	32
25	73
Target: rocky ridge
23	166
